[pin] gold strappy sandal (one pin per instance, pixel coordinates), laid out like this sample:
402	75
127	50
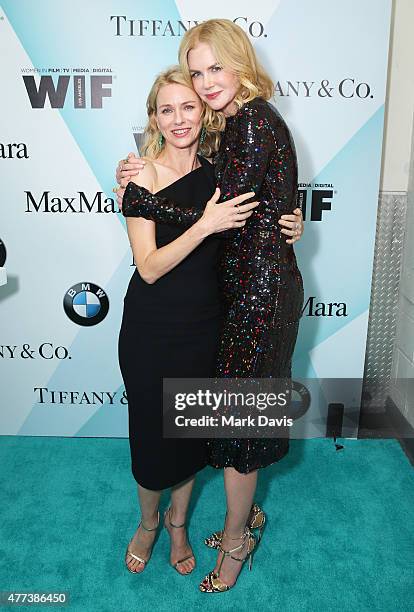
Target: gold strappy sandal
177	563
212	582
256	520
128	552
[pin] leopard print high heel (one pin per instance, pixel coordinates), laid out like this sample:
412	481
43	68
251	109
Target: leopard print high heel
256	520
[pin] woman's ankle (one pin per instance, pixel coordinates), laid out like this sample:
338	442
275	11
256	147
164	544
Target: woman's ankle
177	517
149	522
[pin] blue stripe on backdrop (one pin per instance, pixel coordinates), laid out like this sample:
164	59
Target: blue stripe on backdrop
359	159
46	419
103	136
108	421
68	34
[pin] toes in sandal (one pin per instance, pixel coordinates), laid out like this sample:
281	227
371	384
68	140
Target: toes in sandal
128	552
167	515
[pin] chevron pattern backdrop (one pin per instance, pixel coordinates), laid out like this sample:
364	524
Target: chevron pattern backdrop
75	80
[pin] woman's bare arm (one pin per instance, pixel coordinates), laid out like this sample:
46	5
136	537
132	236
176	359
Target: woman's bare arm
292	223
153	262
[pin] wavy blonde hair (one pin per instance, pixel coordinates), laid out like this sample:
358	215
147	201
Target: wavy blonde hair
151	146
234	52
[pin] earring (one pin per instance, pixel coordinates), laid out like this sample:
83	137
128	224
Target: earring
203	135
160	140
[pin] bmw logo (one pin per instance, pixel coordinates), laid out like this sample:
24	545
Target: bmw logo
3	253
299	406
86	304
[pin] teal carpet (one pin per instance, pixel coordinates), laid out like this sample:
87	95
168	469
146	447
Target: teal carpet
340	533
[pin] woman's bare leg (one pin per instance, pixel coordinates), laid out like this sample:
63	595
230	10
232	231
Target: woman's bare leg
143	540
180	548
240	490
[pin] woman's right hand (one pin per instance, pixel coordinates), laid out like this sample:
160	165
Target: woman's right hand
227	215
126	168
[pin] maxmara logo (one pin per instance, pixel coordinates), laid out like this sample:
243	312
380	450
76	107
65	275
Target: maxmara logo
81	203
13	150
82	86
313	308
124	26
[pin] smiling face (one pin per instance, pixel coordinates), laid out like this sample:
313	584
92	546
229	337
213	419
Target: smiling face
178	115
214	84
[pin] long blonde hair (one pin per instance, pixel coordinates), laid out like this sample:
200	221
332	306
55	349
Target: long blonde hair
233	51
151	146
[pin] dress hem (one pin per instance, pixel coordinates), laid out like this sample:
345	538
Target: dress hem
231	463
170	484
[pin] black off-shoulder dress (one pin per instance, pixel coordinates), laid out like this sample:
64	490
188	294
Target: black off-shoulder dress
261	285
169	329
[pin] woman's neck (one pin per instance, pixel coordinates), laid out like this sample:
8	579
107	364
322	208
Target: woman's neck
231	109
182	161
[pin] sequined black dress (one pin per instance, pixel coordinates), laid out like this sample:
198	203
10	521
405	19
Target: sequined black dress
261	285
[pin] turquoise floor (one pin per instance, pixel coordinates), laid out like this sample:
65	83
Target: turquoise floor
340	534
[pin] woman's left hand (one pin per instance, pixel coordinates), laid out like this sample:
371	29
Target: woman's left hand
292	225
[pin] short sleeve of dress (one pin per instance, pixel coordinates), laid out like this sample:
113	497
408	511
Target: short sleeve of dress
139	202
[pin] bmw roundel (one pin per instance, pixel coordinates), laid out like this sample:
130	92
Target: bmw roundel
86	304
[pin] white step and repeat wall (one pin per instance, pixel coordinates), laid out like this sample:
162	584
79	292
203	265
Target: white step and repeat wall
75	80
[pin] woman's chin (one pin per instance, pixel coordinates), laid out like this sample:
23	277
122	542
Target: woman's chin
216	103
185	143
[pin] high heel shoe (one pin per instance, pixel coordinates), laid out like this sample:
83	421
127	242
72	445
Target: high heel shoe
167	514
256	520
212	583
128	552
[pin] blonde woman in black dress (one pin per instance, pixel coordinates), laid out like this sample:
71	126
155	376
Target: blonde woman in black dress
171	314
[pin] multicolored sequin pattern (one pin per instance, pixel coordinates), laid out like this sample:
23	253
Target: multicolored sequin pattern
139	202
260	282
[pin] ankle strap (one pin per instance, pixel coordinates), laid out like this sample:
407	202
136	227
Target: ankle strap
169	520
242	537
229	552
152	528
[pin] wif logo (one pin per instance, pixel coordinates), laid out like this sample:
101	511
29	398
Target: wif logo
314	199
86	90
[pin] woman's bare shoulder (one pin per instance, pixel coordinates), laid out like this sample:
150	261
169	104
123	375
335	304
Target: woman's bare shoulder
147	177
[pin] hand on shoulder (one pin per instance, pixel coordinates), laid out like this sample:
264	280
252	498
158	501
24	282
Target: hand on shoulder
147	177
